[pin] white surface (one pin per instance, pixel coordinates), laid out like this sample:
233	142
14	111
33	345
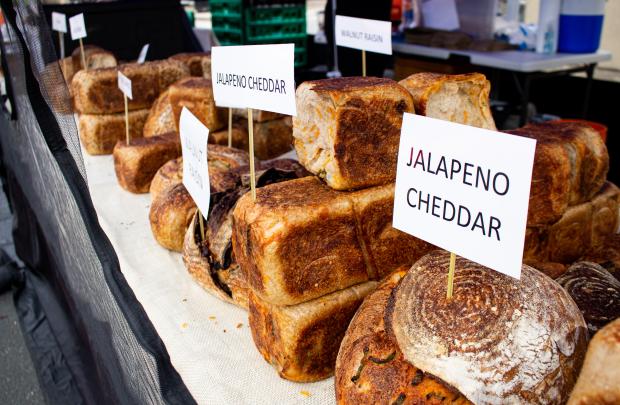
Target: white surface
440	15
124	84
142	55
217	367
518	61
194	138
548	26
59	22
360	33
254	76
78	27
424	143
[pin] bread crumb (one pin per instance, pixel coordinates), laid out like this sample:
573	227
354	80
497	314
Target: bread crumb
305	393
184	325
239	325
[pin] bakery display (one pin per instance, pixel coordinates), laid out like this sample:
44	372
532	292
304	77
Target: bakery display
198	63
347	130
136	163
160	119
599	381
196	94
463	99
595	291
100	132
498	340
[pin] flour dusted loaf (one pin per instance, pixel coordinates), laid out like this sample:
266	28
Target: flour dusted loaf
136	163
301	239
100	132
498	340
96	91
347	130
160	119
570	167
463	99
198	63
196	94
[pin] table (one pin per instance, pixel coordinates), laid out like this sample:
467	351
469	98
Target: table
524	66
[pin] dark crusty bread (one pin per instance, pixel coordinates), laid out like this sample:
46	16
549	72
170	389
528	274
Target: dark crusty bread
301	341
136	164
301	239
595	291
458	98
198	63
498	340
599	381
160	119
100	132
570	167
347	130
96	91
607	254
196	94
169	174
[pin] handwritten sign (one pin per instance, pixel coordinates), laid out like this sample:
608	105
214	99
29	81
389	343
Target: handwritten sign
367	35
464	189
194	137
59	22
143	52
124	83
78	27
254	76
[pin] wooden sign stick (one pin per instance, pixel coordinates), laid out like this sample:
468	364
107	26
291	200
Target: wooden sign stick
230	127
451	275
126	121
363	62
83	56
251	150
201	222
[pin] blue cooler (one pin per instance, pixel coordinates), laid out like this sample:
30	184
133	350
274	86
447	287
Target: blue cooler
581	24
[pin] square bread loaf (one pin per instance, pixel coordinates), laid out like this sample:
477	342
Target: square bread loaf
463	99
301	239
347	130
196	94
100	132
198	63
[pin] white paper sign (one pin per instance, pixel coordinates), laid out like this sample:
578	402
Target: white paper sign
143	52
360	33
124	83
194	137
464	189
59	22
254	76
78	28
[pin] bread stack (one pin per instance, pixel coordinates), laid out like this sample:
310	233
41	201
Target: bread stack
95	57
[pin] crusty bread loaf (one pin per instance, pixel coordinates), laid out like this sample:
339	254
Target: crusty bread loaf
301	239
347	130
66	66
607	254
96	90
96	58
463	99
257	115
169	174
160	119
198	63
301	341
599	381
595	291
196	94
498	340
136	164
570	167
100	132
239	135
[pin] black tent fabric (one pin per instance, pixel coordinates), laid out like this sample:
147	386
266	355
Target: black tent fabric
89	337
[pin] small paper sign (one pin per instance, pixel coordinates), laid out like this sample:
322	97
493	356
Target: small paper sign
143	52
78	28
464	189
59	22
194	137
124	83
363	34
254	76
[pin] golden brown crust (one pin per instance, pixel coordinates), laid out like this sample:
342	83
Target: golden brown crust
196	94
96	58
136	164
160	119
96	90
347	130
100	132
257	115
195	62
170	215
169	174
302	341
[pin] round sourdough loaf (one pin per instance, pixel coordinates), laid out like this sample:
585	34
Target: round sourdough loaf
498	340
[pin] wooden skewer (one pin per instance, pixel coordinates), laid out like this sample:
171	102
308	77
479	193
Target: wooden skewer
251	150
363	63
451	275
83	56
230	127
126	121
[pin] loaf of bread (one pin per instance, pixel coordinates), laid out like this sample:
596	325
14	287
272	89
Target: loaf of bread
136	164
198	63
570	167
96	58
100	132
463	99
196	94
239	135
66	66
301	341
607	255
595	291
347	130
257	115
96	91
599	381
169	174
301	239
160	119
498	340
